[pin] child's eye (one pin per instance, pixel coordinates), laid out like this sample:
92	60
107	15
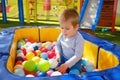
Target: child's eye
67	29
62	28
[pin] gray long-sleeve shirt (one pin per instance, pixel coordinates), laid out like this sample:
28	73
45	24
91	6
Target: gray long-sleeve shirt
71	48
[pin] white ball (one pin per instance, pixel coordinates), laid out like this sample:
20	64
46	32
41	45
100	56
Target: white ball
53	63
29	49
19	72
30	75
56	73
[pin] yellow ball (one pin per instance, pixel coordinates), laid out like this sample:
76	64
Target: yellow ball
38	52
36	59
44	45
30	55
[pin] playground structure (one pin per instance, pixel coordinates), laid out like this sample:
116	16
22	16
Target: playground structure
103	54
34	9
105	14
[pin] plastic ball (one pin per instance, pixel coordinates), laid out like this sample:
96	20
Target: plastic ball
18	66
30	75
44	45
34	52
18	62
38	52
48	47
19	44
83	62
36	59
49	72
29	72
35	47
19	58
23	50
56	73
44	55
29	65
83	69
43	65
19	72
29	49
19	51
74	71
30	55
22	41
53	45
89	68
39	44
20	55
41	74
26	40
44	49
27	45
53	63
51	54
31	40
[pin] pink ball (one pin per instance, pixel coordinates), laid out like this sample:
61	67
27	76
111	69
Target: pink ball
50	72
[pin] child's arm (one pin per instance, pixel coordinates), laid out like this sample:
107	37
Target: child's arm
58	48
78	52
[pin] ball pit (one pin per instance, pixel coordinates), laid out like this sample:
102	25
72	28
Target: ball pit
100	52
37	59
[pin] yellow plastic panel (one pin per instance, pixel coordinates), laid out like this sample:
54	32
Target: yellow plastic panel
30	33
10	63
49	34
106	60
90	52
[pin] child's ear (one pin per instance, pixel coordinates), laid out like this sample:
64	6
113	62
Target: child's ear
77	26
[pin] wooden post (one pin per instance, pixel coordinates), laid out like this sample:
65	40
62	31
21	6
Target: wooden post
114	15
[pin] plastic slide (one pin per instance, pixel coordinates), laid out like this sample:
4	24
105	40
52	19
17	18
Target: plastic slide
90	13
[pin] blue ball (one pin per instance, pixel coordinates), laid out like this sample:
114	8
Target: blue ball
35	48
83	62
49	47
19	51
41	74
74	71
44	55
89	68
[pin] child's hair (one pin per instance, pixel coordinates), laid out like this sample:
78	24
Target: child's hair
70	14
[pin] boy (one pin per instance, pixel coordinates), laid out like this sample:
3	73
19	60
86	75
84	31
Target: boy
70	43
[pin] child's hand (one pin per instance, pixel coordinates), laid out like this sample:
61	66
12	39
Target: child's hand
62	68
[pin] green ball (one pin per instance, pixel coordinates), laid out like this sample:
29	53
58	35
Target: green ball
29	65
43	65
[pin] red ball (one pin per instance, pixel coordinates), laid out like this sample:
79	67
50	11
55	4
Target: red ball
34	52
18	62
40	48
24	50
44	50
31	41
29	72
51	54
83	69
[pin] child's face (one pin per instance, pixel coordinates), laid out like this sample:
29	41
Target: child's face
67	29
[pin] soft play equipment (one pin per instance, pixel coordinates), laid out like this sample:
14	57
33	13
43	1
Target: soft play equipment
104	55
90	14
